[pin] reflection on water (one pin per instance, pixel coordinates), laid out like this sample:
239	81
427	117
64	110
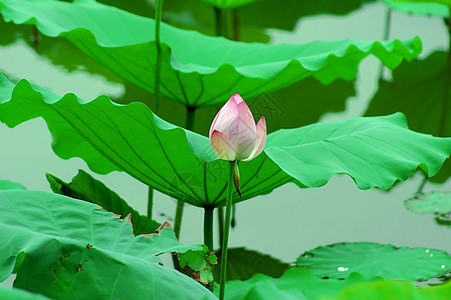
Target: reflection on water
285	223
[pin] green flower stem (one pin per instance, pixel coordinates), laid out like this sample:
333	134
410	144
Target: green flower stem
208	227
156	99
190	110
221	224
447	78
386	36
150	202
225	240
218	21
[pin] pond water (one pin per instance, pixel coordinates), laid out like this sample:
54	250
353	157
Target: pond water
284	223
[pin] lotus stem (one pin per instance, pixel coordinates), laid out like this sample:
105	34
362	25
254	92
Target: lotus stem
386	36
181	204
447	79
218	21
208	227
221	224
156	99
225	240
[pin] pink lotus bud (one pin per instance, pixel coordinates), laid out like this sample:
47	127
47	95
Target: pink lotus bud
233	134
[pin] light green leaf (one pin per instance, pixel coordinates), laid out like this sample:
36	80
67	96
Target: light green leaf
65	248
228	4
295	284
7	293
201	262
85	187
420	96
374	151
9	185
372	259
204	75
433	202
428	8
242	264
391	289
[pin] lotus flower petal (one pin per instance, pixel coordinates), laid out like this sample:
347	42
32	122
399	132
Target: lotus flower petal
222	147
234	129
261	139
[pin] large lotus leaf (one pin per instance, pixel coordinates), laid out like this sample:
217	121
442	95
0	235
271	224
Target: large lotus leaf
203	74
85	187
433	202
372	259
7	293
420	96
9	185
374	151
428	8
228	4
242	264
391	289
63	248
295	284
444	2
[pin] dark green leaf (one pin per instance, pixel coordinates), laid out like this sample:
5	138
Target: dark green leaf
372	259
205	75
69	249
242	264
85	187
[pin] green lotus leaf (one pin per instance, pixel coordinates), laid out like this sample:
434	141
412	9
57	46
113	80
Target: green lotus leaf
63	248
427	8
390	289
243	263
295	284
204	75
432	202
444	2
7	293
372	259
374	151
9	185
85	187
420	96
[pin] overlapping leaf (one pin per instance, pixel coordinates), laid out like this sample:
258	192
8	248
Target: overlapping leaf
85	187
372	259
66	248
374	151
196	70
427	8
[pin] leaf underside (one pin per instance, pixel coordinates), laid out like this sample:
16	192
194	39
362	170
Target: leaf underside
375	151
204	75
